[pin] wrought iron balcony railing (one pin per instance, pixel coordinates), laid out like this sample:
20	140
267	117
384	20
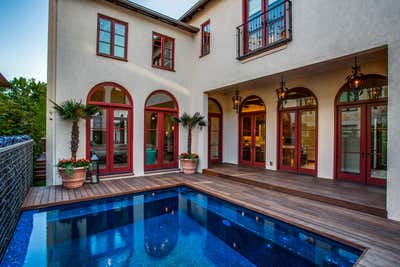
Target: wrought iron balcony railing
265	30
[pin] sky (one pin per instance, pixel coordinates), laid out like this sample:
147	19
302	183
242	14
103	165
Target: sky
23	31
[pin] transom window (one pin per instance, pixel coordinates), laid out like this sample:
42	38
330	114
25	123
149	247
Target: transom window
374	87
109	93
205	38
161	100
112	35
163	52
299	97
253	104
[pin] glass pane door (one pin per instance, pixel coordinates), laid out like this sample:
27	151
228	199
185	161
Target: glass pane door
168	140
98	137
120	139
259	138
307	139
377	143
214	141
288	149
246	138
151	138
350	124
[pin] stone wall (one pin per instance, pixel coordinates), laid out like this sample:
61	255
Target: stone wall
16	175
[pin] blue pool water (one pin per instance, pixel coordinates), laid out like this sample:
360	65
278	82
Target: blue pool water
172	227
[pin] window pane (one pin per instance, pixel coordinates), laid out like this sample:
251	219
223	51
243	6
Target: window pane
104	48
160	100
168	43
253	104
288	139
307	139
120	121
119	51
105	25
169	139
98	134
350	140
151	122
119	29
168	54
119	40
156	40
168	63
105	37
213	107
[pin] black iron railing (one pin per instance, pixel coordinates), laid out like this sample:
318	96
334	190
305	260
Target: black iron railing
265	30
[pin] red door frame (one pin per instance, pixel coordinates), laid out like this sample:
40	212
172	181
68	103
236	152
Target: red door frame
109	107
252	116
365	143
160	127
297	133
220	117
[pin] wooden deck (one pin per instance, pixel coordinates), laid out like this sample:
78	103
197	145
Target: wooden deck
360	197
379	237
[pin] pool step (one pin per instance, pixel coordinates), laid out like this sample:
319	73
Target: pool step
291	190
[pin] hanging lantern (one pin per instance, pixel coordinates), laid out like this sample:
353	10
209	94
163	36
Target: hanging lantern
355	80
282	93
236	101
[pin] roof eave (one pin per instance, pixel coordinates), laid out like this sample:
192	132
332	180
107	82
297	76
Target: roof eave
198	7
154	15
3	81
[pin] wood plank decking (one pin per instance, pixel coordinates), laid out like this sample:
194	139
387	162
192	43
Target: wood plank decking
378	236
360	197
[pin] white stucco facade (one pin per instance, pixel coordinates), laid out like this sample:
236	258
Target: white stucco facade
326	36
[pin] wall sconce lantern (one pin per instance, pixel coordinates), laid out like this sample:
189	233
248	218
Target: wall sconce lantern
236	101
355	80
95	169
282	93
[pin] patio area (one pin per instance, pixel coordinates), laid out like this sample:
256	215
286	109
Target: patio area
379	237
355	196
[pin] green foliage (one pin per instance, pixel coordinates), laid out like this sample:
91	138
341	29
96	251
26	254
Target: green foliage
23	110
191	122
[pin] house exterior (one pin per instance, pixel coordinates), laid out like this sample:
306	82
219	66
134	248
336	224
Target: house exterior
142	68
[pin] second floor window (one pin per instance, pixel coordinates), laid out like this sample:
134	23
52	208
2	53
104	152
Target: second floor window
163	52
205	38
112	37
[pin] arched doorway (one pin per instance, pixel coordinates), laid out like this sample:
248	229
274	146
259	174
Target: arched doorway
361	132
298	132
109	132
252	132
214	131
160	133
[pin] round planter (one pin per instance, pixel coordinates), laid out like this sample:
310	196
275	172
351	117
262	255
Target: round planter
189	166
76	180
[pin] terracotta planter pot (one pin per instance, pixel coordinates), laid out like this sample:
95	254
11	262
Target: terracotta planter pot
76	180
189	166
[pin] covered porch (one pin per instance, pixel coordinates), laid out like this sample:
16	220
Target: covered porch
321	128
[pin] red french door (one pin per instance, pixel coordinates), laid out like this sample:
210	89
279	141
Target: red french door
214	138
110	138
252	139
362	143
298	141
161	139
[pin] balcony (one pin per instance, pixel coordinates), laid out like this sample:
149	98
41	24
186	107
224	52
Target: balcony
265	31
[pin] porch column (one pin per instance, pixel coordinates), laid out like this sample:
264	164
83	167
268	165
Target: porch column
393	179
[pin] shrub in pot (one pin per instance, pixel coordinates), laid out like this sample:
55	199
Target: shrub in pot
73	171
189	160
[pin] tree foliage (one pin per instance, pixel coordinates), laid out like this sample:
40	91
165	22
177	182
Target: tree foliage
191	122
23	109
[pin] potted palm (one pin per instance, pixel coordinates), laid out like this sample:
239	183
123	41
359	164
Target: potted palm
190	160
73	171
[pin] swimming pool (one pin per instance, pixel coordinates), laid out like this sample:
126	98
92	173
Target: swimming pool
172	227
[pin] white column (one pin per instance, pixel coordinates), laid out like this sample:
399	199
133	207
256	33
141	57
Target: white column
393	179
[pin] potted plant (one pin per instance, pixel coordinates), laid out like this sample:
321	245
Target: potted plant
190	160
73	171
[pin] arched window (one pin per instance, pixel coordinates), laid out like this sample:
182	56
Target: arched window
214	131
109	132
160	133
298	132
252	132
361	132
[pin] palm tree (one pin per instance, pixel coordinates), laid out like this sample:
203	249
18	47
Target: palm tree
74	111
191	122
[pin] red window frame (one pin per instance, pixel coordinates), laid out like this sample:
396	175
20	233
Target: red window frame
220	117
161	113
112	40
109	108
205	40
163	39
